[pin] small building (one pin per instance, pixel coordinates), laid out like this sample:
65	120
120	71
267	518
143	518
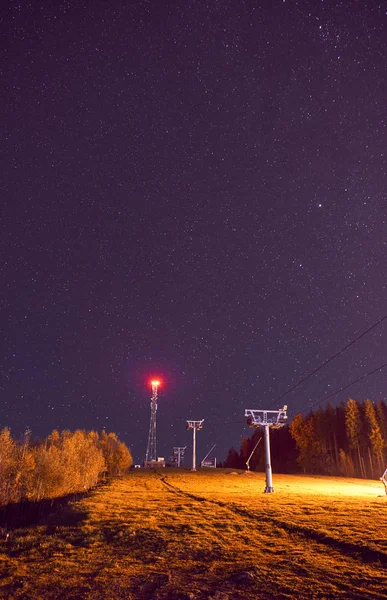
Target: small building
155	464
209	462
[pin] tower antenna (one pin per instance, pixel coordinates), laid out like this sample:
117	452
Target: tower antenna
151	457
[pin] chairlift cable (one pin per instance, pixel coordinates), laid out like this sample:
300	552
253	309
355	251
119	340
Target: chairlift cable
346	386
330	360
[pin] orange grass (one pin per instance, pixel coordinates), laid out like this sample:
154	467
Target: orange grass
213	534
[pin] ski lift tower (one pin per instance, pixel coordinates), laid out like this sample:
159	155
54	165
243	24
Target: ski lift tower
178	454
384	479
195	425
267	419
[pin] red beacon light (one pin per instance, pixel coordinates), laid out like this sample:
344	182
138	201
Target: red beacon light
155	383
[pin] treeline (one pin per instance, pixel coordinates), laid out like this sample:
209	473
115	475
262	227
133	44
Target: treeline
349	439
283	452
64	463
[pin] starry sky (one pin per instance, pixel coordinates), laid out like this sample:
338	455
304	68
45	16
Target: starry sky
194	190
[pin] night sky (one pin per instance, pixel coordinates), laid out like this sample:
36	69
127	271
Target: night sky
194	190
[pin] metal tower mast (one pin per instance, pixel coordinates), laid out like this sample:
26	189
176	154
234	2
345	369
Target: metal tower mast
267	419
151	448
178	452
194	425
384	479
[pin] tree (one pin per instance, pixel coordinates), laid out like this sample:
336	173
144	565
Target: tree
233	460
123	459
257	462
48	473
8	461
313	457
354	429
62	464
347	468
331	428
381	414
375	437
25	465
116	454
246	448
284	452
322	434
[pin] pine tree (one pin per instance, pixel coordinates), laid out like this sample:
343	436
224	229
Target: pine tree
331	424
233	460
381	415
246	448
283	451
347	467
313	457
375	438
354	430
322	435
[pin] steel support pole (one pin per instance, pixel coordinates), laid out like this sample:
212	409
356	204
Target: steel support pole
194	450
269	479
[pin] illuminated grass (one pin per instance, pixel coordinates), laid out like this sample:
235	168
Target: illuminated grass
179	535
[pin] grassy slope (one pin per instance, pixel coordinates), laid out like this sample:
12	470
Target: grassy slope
210	534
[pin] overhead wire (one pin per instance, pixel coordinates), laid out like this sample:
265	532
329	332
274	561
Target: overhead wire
330	360
228	423
346	386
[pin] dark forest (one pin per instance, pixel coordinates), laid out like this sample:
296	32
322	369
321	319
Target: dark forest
349	440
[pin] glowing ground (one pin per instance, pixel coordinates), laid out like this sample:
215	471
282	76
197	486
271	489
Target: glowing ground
215	535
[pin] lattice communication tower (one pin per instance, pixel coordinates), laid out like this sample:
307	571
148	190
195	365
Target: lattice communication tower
151	448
